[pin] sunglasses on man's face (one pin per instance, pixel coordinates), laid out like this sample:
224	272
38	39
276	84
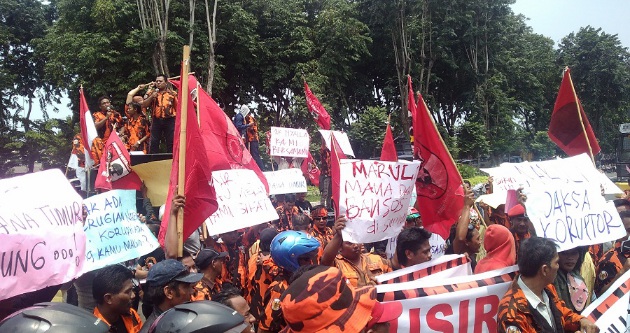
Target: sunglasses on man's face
320	218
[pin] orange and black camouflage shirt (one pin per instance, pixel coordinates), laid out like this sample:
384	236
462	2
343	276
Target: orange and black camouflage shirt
516	315
608	267
251	131
164	105
371	266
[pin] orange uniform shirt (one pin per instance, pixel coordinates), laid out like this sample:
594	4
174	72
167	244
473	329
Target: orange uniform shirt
359	276
132	321
164	105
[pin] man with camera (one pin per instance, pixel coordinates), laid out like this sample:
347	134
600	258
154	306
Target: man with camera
616	261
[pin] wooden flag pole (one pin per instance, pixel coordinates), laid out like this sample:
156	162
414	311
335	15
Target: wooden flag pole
579	108
181	176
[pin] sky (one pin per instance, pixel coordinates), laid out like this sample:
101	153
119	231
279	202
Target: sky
558	18
551	18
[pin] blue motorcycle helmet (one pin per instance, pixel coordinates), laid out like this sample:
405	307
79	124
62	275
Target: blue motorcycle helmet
288	246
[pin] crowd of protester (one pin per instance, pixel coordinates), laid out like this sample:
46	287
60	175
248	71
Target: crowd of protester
297	273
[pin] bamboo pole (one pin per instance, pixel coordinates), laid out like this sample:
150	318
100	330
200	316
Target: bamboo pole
181	176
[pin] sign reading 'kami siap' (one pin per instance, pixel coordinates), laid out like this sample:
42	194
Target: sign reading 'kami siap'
42	242
374	197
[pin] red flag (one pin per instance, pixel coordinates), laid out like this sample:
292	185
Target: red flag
310	169
88	129
388	152
114	171
336	155
439	184
411	99
201	199
317	110
569	127
222	141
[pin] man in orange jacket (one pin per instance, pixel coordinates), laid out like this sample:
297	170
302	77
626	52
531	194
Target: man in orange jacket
531	304
113	291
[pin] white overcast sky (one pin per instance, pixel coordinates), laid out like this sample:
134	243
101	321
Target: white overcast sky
552	18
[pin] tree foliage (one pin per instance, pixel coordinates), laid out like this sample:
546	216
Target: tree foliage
489	81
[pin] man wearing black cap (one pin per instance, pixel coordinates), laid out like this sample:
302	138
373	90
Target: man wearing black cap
210	263
169	284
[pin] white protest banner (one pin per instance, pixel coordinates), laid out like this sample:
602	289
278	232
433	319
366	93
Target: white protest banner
286	181
421	270
576	169
341	138
374	197
42	242
458	304
289	142
610	310
573	214
114	232
242	199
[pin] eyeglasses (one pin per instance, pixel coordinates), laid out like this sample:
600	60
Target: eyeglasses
320	218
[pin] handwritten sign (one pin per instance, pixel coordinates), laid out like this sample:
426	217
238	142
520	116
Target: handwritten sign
242	199
114	232
289	142
42	242
572	170
342	140
573	215
374	197
286	181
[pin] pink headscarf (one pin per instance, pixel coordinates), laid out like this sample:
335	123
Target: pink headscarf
499	244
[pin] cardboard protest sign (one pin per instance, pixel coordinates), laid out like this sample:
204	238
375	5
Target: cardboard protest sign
286	181
610	310
374	197
243	201
458	304
289	142
42	242
577	169
416	272
342	140
114	232
573	215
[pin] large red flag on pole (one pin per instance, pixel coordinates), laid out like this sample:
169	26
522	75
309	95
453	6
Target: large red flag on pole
388	152
569	127
200	196
439	184
336	155
88	129
114	171
222	142
317	110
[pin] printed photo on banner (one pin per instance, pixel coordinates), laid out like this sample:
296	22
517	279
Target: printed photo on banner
374	197
286	181
114	232
573	214
243	201
41	232
342	140
610	310
289	142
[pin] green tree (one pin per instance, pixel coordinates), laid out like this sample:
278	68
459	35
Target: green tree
472	141
367	133
600	68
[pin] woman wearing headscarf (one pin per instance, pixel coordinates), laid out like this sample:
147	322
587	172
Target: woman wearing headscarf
499	244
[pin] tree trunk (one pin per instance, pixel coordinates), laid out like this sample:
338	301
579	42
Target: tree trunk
191	23
30	155
212	39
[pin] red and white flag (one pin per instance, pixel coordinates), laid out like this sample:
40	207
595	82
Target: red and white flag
316	109
114	171
310	169
88	129
439	184
569	127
